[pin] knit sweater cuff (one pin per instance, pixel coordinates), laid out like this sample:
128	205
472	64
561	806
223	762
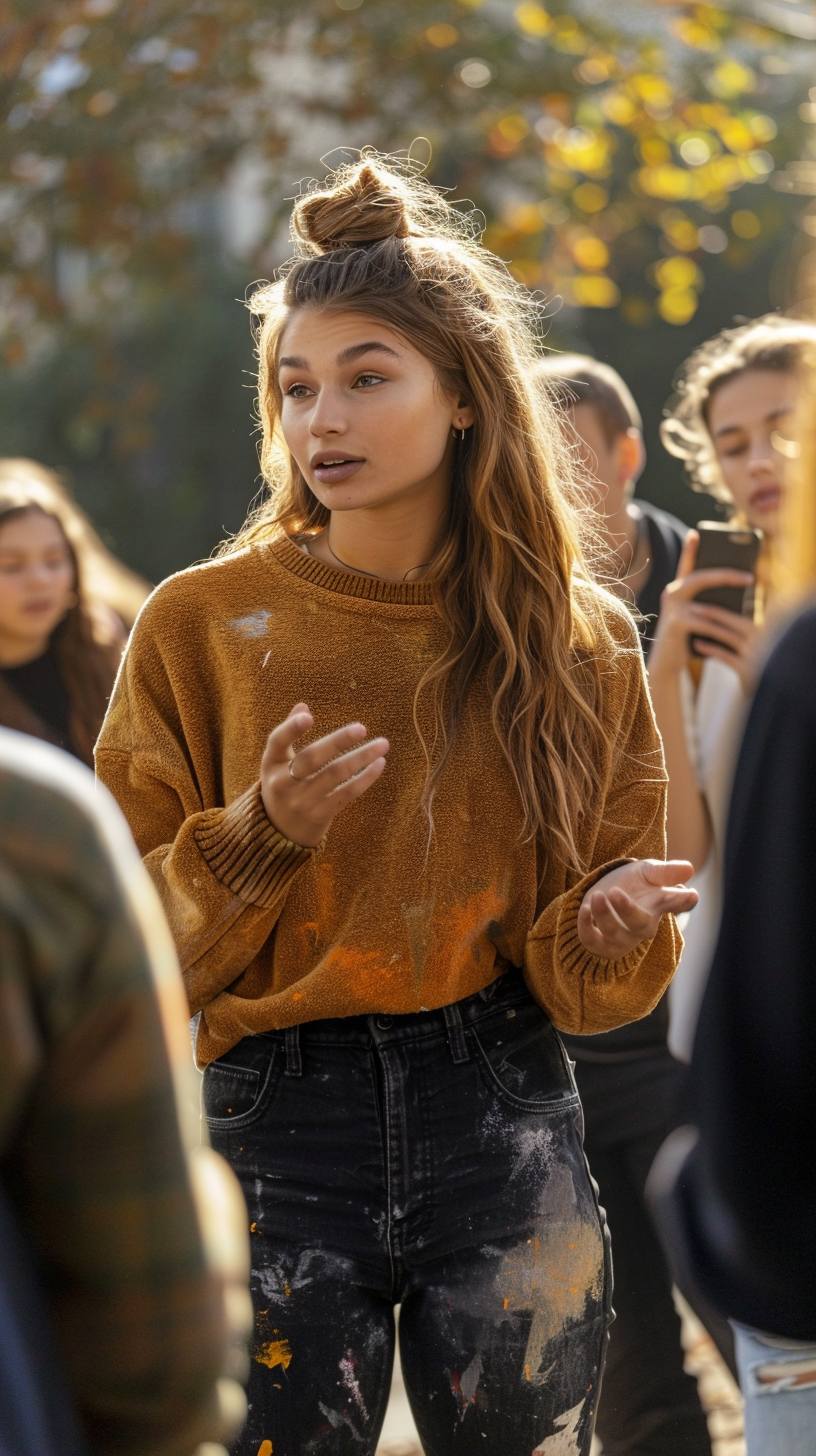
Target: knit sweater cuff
572	954
245	851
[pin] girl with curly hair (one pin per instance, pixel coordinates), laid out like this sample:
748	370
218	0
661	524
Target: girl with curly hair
730	421
392	765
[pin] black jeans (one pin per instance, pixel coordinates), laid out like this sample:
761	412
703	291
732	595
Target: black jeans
434	1161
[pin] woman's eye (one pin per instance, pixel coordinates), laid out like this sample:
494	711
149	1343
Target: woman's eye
297	391
366	380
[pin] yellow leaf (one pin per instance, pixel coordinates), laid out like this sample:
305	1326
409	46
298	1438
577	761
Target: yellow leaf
677	305
746	224
441	36
513	128
533	19
595	290
731	78
591	252
678	272
590	197
618	108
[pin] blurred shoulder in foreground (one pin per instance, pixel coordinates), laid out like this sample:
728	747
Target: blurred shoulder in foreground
138	1234
737	1193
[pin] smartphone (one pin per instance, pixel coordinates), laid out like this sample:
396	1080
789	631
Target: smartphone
735	547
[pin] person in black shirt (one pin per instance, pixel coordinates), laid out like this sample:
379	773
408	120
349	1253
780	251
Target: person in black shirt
629	1082
65	603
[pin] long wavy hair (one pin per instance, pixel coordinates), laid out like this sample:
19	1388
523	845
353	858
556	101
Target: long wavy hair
509	576
88	642
770	342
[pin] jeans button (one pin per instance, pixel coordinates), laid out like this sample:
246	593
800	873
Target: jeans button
385	1022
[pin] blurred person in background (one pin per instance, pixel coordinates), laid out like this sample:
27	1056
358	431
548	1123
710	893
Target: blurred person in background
630	1084
735	400
135	1234
381	932
643	542
66	605
736	1192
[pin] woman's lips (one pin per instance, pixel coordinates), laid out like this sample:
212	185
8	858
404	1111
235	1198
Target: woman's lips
38	609
769	498
333	474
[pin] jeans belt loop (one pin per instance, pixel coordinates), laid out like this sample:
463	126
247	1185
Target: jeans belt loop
456	1033
294	1061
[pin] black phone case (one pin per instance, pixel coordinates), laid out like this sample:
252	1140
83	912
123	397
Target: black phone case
734	547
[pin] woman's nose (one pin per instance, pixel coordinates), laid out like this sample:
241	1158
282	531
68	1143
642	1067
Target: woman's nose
762	458
327	416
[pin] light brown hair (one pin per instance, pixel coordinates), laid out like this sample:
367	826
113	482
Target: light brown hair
507	577
579	379
88	641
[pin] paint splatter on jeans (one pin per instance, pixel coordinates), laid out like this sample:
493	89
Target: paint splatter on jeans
434	1161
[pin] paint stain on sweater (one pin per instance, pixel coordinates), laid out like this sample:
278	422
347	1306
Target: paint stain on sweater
275	1352
255	624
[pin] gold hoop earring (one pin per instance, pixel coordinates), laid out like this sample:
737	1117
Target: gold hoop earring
460	434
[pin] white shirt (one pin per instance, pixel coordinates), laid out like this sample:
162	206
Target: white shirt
714	719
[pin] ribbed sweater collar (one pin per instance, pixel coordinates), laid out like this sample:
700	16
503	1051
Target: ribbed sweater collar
348	583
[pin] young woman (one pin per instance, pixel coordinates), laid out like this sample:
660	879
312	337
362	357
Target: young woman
438	853
65	604
735	401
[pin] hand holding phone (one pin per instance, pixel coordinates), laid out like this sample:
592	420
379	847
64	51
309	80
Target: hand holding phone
725	549
708	611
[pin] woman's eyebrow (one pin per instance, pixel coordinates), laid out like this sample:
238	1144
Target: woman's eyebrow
346	356
774	414
355	351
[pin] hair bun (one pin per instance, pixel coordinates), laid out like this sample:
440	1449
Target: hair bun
365	203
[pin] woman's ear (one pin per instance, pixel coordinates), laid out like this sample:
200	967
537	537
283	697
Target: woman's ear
463	416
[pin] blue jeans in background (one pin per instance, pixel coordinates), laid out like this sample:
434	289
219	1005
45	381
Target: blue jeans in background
433	1161
778	1381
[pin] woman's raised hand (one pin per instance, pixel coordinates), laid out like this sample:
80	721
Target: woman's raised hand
303	791
626	905
681	617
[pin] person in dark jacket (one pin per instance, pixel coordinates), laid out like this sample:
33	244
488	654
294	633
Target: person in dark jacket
737	1194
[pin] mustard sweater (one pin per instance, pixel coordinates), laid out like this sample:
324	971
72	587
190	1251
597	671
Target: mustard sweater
377	919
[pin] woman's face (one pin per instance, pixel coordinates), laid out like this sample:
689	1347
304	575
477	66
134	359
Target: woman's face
744	417
36	578
363	412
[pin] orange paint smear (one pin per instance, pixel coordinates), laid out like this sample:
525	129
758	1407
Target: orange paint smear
276	1352
266	1448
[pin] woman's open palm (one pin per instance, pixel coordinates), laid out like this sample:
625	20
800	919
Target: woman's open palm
625	906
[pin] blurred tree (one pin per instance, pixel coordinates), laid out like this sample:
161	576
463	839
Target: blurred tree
625	162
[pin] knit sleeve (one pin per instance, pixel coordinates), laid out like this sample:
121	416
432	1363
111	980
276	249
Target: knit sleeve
222	873
582	992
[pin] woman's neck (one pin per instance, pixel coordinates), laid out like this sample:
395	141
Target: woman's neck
399	548
16	651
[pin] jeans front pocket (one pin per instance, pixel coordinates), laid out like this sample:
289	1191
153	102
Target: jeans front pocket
238	1086
520	1054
